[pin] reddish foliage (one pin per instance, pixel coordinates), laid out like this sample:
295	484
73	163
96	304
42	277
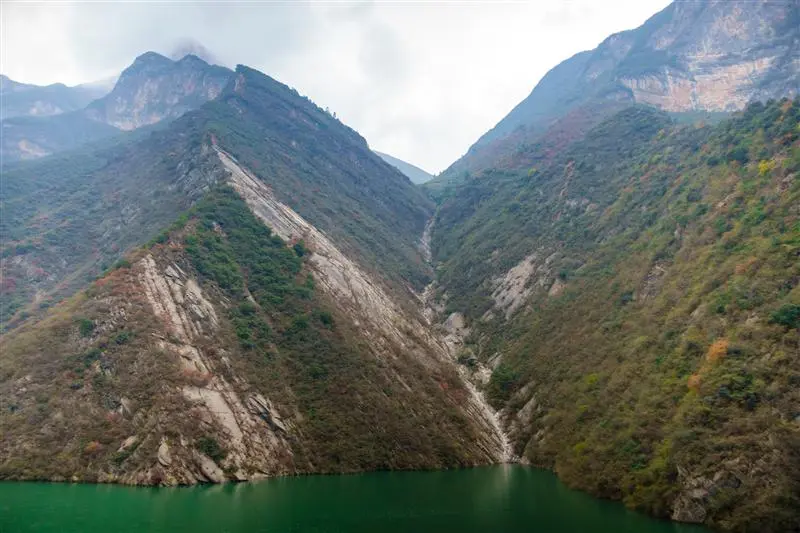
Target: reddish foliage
93	448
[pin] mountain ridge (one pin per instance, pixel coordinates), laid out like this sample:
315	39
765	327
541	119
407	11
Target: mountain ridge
669	62
151	90
23	99
414	173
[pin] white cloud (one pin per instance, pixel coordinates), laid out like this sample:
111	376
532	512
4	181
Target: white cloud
420	80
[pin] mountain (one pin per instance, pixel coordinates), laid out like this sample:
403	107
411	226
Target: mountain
607	285
710	56
21	99
77	213
153	89
636	305
272	324
621	254
415	174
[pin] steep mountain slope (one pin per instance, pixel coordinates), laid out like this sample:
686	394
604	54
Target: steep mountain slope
69	217
22	99
633	310
153	89
710	56
216	355
156	88
414	173
275	328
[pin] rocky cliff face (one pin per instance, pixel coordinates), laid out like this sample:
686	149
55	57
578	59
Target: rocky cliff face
155	88
716	56
706	56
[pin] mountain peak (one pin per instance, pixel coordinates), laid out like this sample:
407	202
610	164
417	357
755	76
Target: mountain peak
708	56
173	87
151	58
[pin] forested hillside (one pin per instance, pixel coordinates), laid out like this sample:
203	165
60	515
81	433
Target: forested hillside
270	326
637	300
212	355
69	217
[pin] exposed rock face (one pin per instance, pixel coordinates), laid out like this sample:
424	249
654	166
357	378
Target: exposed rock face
155	88
351	287
256	442
708	56
361	297
513	289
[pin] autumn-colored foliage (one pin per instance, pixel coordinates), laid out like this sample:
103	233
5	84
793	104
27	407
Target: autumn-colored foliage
765	166
744	267
717	351
93	448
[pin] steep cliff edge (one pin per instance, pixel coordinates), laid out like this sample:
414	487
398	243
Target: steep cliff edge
153	89
706	56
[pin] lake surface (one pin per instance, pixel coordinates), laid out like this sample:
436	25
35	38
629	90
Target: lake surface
499	499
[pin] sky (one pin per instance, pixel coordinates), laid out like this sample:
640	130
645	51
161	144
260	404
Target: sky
421	80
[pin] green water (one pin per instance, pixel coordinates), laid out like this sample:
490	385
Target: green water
502	499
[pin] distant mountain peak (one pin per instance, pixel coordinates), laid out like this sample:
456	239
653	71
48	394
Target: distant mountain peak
155	87
151	58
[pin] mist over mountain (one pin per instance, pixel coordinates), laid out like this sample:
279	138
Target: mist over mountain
22	99
186	47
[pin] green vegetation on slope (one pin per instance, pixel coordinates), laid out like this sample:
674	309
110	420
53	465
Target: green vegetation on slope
323	170
68	217
664	368
355	416
95	372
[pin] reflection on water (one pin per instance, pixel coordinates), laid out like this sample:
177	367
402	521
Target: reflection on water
506	499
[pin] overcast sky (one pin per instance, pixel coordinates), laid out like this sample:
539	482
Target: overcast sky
420	80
